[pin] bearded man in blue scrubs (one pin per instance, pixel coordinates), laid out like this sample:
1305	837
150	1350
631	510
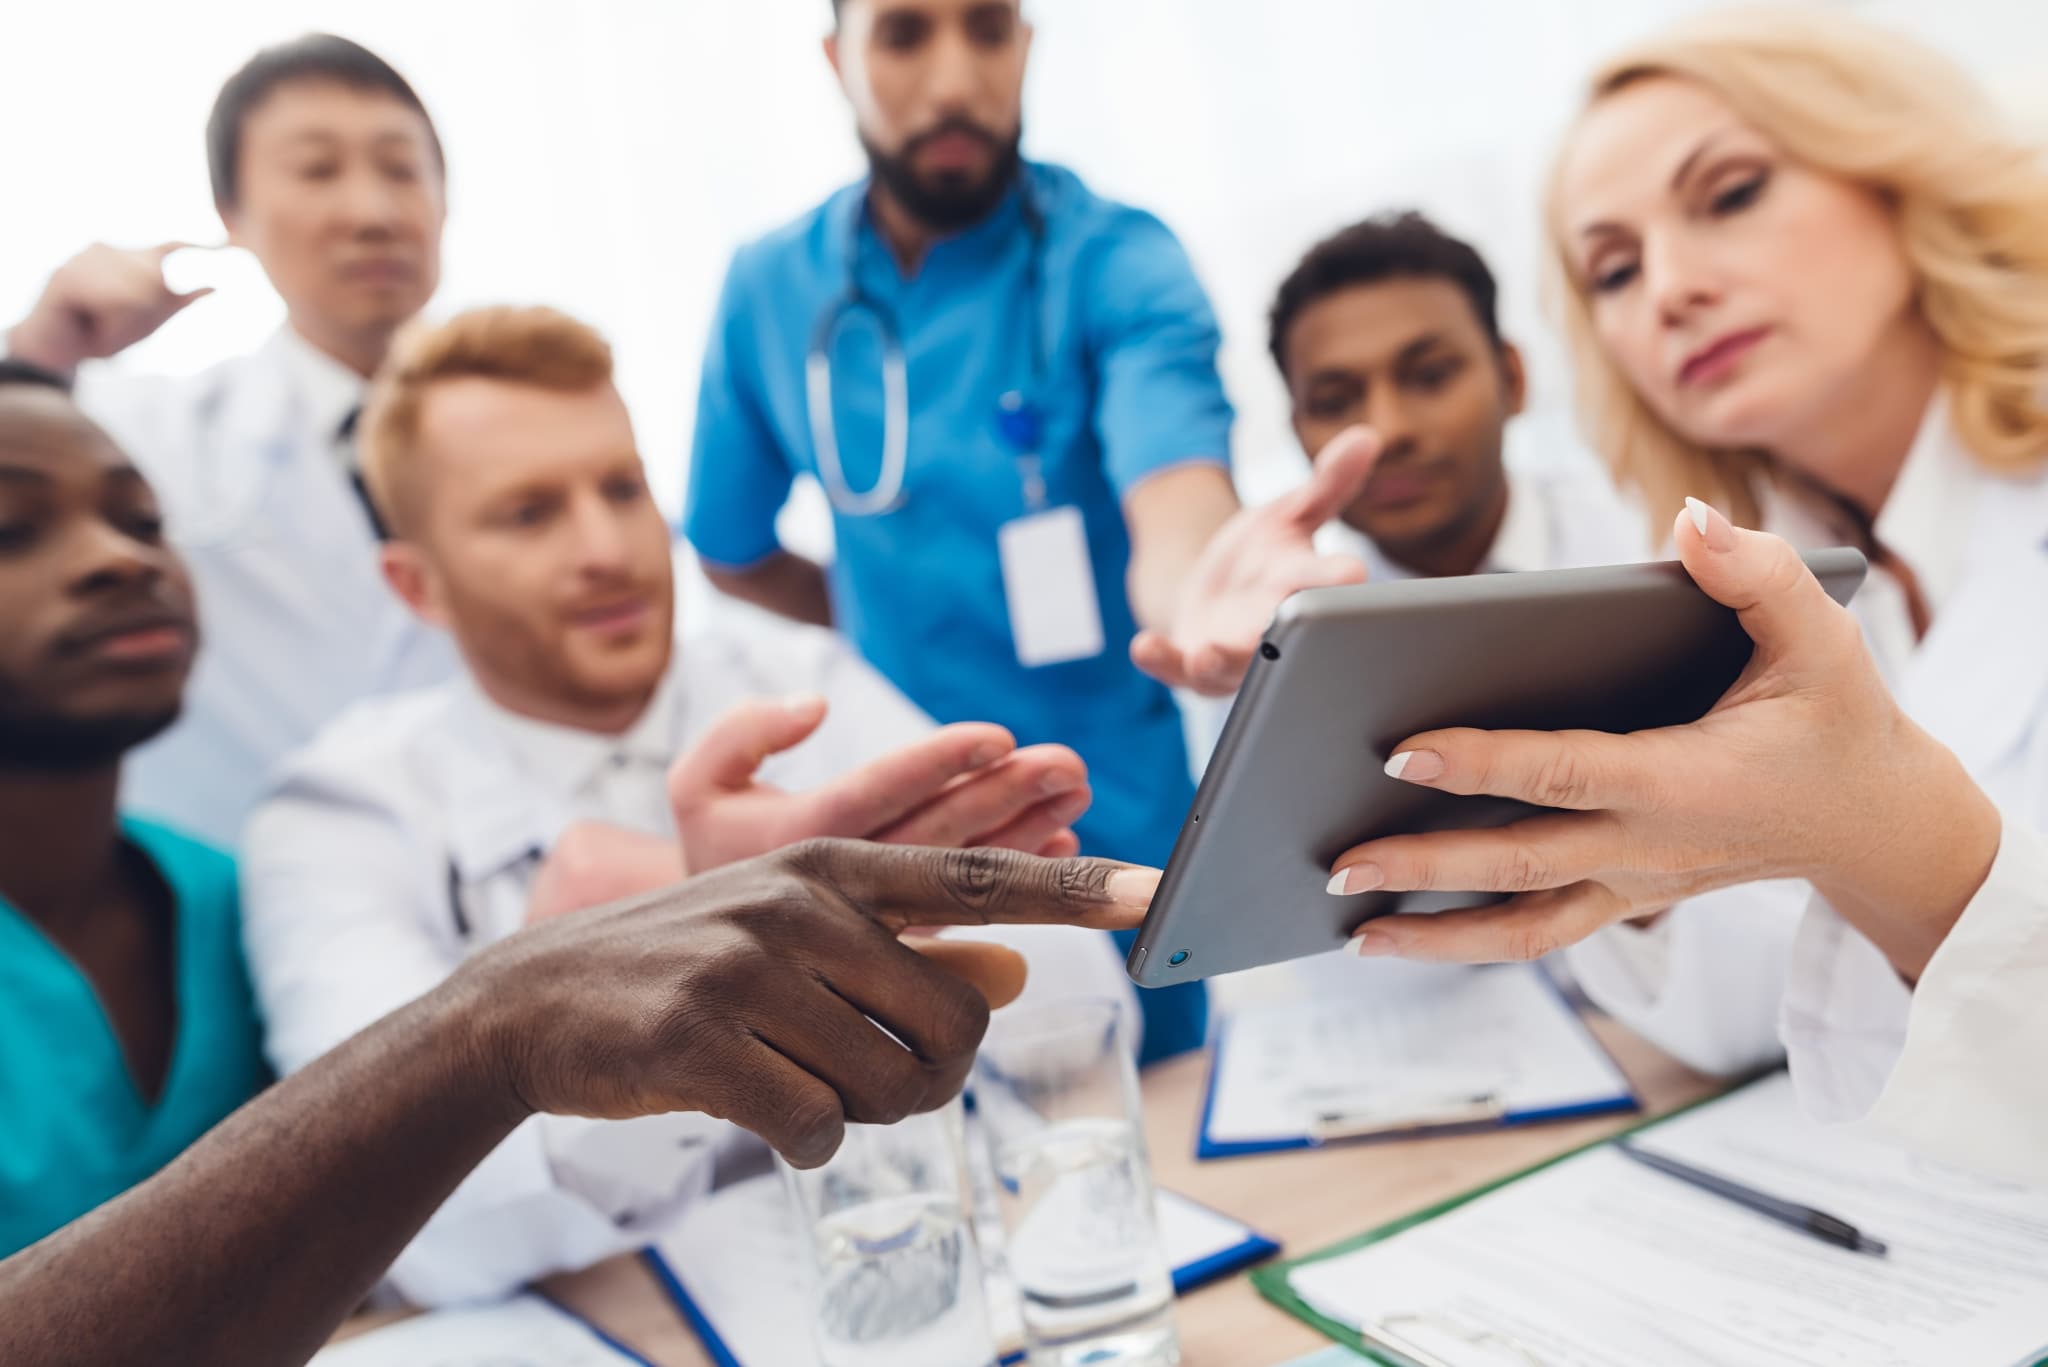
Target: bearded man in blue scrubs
1007	387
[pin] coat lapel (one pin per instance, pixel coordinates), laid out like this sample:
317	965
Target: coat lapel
1979	682
497	818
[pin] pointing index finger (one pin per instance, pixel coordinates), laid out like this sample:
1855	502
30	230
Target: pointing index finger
1338	476
903	885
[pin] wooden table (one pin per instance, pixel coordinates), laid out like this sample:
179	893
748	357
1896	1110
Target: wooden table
1307	1200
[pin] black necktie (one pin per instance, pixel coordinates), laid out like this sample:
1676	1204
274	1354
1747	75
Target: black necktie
345	444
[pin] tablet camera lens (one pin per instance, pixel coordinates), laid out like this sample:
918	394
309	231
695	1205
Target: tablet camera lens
1269	650
1180	956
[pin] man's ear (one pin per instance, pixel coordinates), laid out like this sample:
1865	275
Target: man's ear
1514	378
412	578
832	54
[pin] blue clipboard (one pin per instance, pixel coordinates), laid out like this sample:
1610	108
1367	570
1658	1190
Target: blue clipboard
1207	1148
1256	1248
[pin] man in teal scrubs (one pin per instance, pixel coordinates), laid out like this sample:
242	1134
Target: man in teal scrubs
1007	386
126	1023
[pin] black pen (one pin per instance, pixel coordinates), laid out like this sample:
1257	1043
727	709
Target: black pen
1805	1219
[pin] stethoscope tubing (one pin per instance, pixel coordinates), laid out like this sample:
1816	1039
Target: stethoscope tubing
886	494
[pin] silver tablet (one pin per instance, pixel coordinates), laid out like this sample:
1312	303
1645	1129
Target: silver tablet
1346	673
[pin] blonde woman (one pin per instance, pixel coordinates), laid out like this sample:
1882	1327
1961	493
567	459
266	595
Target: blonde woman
1805	276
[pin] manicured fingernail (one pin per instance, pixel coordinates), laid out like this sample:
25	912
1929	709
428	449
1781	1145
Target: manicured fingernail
1133	887
1349	882
988	752
1370	944
1416	766
1715	530
804	702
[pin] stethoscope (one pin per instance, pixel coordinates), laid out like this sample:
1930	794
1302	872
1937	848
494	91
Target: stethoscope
458	886
233	518
1018	419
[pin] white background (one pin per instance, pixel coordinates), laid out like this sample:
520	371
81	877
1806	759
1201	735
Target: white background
606	156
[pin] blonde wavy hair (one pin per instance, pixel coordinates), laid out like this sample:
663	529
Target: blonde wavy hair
1862	103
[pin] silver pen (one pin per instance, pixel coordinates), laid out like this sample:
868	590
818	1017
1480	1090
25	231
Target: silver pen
1395	1114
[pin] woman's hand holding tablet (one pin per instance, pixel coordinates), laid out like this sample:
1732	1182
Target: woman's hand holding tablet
1631	751
1806	768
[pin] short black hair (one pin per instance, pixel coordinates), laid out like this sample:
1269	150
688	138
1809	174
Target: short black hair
1391	246
22	373
315	57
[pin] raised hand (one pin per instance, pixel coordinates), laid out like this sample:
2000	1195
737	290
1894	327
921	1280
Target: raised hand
962	785
1250	566
99	303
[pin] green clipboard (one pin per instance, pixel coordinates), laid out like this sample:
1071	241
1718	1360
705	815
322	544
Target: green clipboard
1272	1279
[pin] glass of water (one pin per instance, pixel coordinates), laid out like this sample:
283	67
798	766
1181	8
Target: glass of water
1057	1091
898	1279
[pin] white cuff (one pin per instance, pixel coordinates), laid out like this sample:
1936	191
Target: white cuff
1845	1016
640	1173
1958	1067
507	1224
1705	981
1626	967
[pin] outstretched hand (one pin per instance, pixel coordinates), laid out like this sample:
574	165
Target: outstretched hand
1255	560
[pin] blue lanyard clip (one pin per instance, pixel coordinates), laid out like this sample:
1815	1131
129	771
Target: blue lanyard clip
1019	424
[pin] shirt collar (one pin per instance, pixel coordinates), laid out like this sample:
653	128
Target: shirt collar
1928	517
566	759
327	391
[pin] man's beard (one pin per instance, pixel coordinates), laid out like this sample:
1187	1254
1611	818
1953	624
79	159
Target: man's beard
951	201
65	745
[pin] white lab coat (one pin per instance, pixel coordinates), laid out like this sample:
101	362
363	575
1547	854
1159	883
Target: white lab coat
408	835
296	620
1959	1066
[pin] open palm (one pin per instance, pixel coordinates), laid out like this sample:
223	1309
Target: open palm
960	785
1249	568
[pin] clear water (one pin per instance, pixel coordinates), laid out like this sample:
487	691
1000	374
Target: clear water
1084	1247
901	1287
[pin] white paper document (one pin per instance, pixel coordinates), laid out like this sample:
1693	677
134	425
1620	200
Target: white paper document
1413	1047
739	1257
1601	1262
523	1332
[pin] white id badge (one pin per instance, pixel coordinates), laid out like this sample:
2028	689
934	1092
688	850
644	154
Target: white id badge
1049	583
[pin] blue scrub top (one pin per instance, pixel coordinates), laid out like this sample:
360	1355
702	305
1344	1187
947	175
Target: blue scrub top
1127	386
74	1131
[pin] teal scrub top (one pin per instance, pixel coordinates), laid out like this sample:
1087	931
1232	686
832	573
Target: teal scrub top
74	1131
